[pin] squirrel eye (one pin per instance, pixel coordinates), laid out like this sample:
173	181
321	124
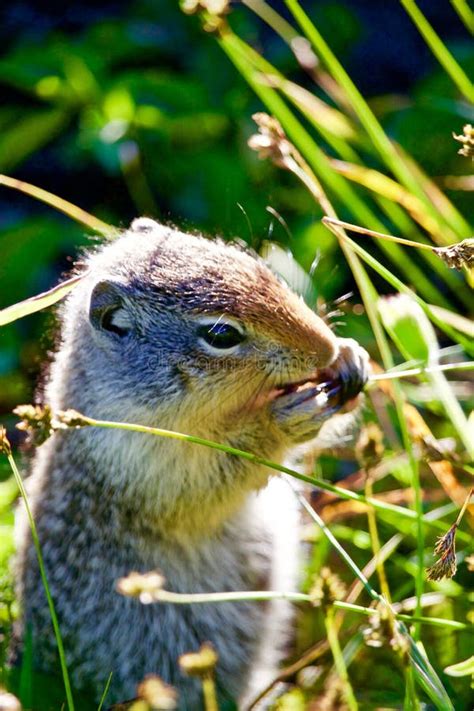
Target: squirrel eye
221	336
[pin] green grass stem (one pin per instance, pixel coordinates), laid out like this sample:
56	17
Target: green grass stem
392	159
336	651
105	692
465	13
38	302
440	51
315	482
174	598
443	367
52	610
68	208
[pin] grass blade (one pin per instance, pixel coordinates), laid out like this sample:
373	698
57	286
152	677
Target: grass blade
465	13
39	555
38	302
401	287
440	51
392	159
106	691
69	209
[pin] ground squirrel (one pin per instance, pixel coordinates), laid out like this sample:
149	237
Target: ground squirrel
181	332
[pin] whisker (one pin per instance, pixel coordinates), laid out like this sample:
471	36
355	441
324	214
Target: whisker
333	314
249	224
344	297
280	219
315	263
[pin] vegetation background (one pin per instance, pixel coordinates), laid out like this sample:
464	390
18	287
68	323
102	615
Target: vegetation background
129	107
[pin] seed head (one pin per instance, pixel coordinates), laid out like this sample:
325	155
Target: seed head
445	547
212	11
200	663
458	255
327	588
40	421
5	447
467	140
271	141
158	695
146	586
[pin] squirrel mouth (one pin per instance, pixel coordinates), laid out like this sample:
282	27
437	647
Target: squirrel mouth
330	388
327	388
323	389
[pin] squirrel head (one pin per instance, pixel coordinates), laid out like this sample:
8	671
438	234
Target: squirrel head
182	331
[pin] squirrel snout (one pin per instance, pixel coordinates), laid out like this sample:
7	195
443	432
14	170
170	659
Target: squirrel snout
314	337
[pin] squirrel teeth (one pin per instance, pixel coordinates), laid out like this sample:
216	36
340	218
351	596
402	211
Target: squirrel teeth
328	394
321	392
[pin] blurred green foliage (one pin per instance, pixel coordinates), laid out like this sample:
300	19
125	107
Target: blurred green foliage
133	110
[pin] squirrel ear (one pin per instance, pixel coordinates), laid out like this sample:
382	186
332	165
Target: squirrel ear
107	308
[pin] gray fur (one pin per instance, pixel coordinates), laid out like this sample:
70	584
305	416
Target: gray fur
108	502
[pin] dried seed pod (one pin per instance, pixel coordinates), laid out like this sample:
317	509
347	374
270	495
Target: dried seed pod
146	586
200	663
459	255
158	695
467	140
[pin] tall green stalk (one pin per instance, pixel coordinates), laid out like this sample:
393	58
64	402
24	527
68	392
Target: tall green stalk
385	148
440	51
331	632
39	555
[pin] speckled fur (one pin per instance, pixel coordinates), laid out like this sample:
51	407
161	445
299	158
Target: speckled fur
107	502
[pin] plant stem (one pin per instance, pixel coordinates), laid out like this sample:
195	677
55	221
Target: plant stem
440	51
391	375
174	598
39	555
333	640
411	700
464	507
69	209
273	19
375	540
465	13
378	235
209	693
342	552
106	691
318	483
38	302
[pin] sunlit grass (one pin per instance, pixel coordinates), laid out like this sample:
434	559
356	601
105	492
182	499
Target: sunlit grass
383	191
